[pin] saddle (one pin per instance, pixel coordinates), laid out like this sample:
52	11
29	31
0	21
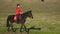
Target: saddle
17	17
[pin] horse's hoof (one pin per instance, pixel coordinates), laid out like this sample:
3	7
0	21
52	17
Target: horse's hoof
14	30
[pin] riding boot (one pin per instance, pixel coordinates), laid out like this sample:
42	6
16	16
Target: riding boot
17	20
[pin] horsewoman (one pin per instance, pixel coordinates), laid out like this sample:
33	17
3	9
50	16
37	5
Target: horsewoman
18	12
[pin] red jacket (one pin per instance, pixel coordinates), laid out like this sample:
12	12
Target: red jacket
18	10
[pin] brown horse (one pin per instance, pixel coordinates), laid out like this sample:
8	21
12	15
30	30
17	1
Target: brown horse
22	19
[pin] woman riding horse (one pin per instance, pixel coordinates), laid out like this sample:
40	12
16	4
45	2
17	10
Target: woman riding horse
18	12
22	20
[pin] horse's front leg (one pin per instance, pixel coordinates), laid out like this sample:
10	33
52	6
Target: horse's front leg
21	28
26	29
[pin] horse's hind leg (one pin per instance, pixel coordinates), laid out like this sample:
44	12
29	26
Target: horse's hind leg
12	27
8	26
8	29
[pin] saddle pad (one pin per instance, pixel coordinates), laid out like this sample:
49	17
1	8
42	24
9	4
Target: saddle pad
15	18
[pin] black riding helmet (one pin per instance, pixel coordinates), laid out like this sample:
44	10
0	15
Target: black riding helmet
18	4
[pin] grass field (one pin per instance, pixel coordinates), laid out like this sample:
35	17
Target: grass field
46	15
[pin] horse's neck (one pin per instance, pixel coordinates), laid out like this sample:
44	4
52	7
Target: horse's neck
24	16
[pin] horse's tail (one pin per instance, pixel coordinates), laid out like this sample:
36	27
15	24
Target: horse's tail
10	17
7	24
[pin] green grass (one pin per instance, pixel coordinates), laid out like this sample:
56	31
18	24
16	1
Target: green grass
46	15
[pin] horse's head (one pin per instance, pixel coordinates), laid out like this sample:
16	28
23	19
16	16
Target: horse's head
30	14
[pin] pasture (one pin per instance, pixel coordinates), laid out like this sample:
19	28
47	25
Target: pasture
46	15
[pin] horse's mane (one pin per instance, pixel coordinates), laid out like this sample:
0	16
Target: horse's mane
26	12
